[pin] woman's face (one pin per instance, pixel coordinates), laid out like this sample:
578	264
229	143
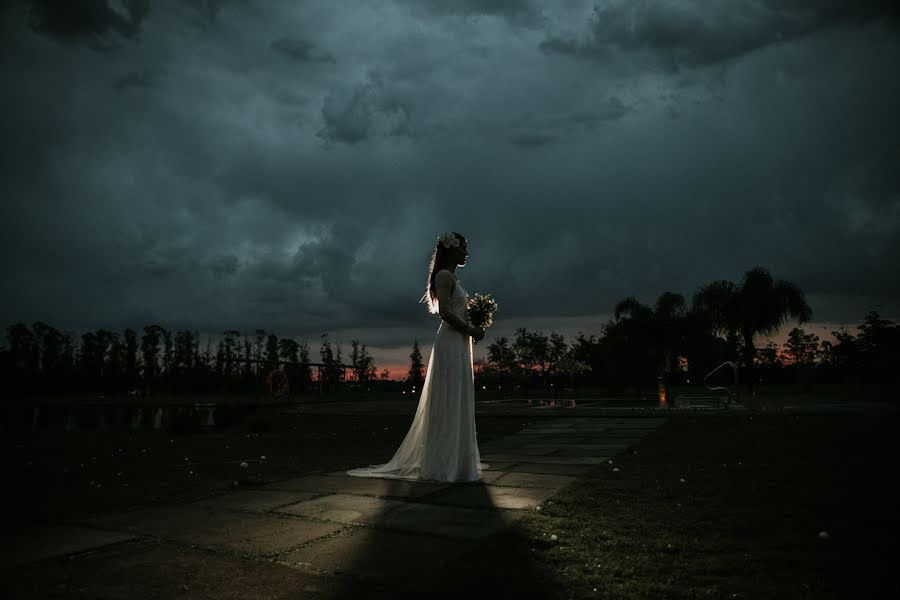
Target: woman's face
462	253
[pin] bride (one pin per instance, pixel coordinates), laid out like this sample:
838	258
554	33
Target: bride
440	444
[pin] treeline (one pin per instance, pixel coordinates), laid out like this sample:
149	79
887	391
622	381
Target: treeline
674	342
43	360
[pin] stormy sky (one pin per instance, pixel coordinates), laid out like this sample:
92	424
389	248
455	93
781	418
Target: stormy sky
288	164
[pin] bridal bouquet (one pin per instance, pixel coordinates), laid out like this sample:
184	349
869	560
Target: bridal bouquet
481	310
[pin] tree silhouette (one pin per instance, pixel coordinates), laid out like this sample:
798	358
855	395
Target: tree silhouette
90	359
661	329
363	364
532	350
331	372
588	351
131	364
258	344
150	354
502	360
305	368
167	357
879	346
760	305
229	351
22	356
289	350
801	348
51	347
416	374
250	369
272	350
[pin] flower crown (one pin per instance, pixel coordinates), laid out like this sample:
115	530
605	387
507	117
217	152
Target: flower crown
449	239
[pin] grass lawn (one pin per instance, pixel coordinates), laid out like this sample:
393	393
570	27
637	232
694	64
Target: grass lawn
714	507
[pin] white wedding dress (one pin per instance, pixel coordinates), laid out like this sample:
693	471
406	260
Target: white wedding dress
441	443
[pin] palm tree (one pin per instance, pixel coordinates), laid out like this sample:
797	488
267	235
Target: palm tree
662	327
760	305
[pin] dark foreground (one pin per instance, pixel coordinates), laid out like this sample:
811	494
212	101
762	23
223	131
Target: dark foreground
706	507
744	523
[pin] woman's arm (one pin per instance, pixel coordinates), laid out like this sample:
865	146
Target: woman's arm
443	284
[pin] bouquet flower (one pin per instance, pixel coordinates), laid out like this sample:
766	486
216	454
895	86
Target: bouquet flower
481	310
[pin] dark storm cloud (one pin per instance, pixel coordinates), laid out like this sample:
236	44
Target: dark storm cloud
301	50
510	9
225	177
360	111
91	21
689	33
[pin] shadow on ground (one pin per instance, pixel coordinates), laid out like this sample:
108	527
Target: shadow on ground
421	549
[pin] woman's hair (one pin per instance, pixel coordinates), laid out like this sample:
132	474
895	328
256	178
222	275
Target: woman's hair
438	261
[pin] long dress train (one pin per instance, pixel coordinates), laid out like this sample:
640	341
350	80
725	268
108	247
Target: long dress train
441	443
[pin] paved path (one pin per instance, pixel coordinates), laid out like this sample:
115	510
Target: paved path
326	535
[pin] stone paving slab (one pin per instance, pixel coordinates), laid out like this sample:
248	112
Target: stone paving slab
559	440
449	521
591	434
492	496
614	446
539	480
527	450
512	442
578	452
552	469
626	425
498	465
347	484
368	553
142	569
600	423
617	446
494	470
572	438
254	500
490	476
344	508
545	440
244	532
526	447
548	431
272	537
560	460
56	540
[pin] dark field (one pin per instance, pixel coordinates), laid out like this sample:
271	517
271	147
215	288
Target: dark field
744	523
